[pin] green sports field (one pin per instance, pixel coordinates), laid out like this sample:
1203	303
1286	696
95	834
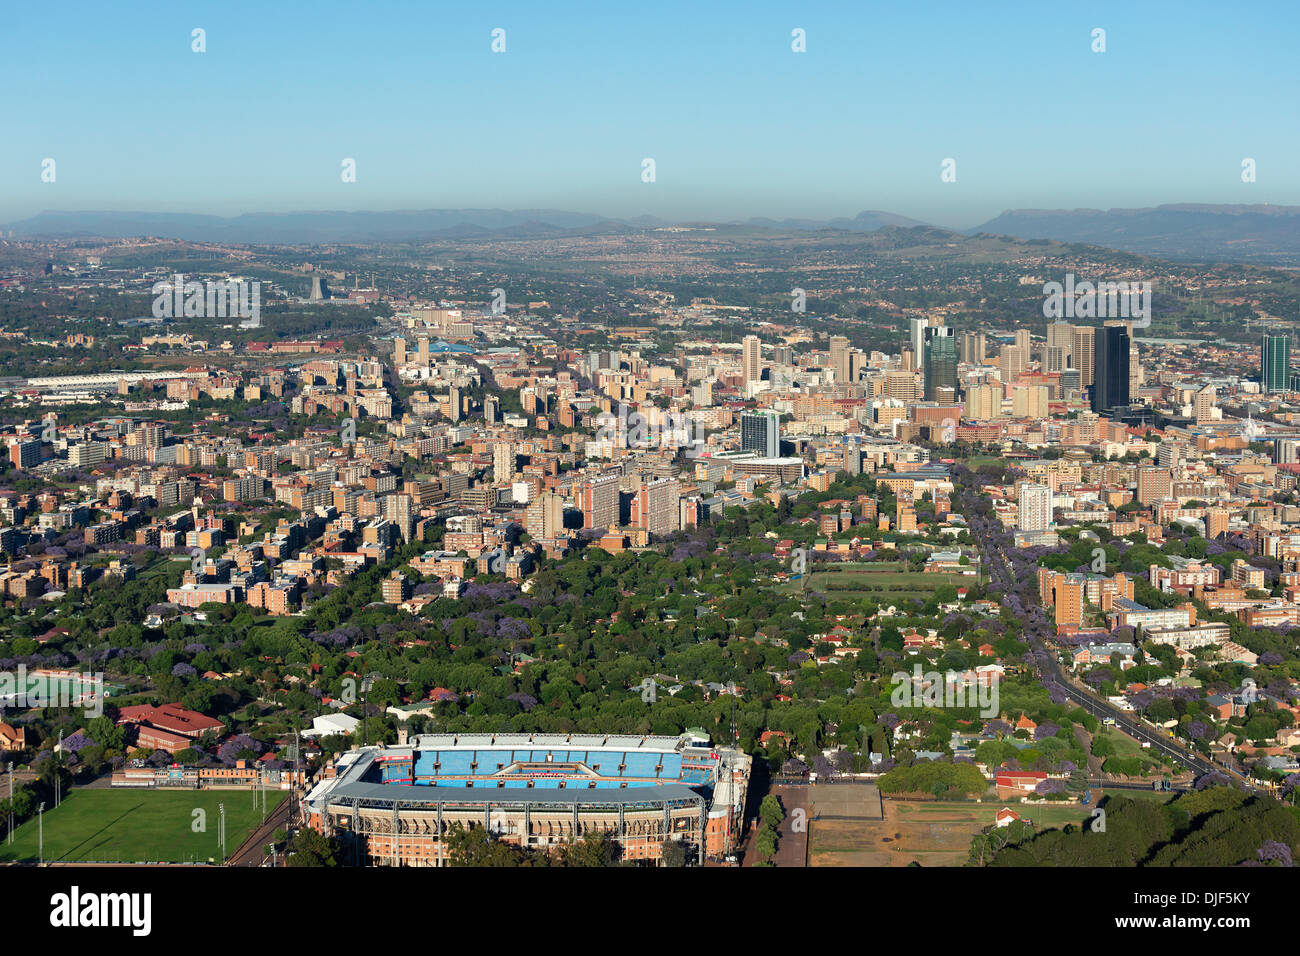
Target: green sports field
140	826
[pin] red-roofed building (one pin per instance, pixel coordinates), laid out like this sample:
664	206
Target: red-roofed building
1018	782
169	727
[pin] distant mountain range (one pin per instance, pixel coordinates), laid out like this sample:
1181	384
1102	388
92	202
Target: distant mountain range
1260	234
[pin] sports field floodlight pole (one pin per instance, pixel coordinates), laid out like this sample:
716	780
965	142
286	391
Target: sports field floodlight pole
10	834
221	832
40	826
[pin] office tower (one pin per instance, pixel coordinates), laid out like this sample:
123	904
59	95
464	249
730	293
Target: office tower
1024	342
598	501
1071	380
972	347
839	358
852	455
399	351
1083	353
751	359
491	409
1060	335
783	355
1056	359
503	461
544	518
857	364
940	362
1011	358
422	350
1035	511
1110	369
655	507
1274	363
907	359
984	402
916	338
455	404
761	432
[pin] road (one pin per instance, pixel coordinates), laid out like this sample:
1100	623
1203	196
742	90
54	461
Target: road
1047	667
250	852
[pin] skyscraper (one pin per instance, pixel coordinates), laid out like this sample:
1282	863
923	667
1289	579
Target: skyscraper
1275	363
972	347
751	359
1012	360
761	432
1110	369
940	361
917	339
840	358
1083	353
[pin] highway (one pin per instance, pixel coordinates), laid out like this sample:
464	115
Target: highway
1048	667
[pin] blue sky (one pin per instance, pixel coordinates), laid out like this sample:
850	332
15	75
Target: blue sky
737	123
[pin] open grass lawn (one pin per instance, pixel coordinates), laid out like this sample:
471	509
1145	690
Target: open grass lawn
1126	746
140	826
865	581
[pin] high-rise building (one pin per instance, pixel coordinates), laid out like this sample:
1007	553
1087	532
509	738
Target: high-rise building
503	461
761	432
1035	511
544	518
1206	400
751	359
1153	484
455	404
839	357
939	363
1110	369
972	347
852	455
598	501
916	338
984	402
400	510
1029	401
1083	353
422	350
655	507
1012	360
399	350
1274	363
1025	342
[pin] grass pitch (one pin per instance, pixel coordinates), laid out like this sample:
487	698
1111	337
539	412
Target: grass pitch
141	826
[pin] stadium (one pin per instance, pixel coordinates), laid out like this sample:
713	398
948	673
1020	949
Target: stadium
388	805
